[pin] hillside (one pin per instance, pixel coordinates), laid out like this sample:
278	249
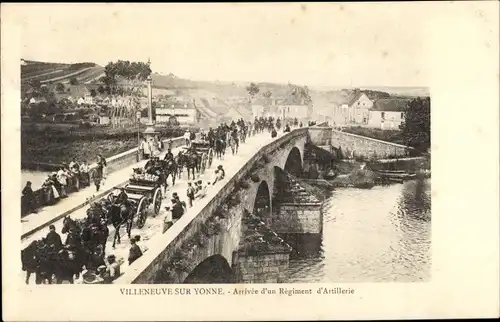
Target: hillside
213	97
50	73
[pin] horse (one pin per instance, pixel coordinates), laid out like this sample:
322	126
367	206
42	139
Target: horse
47	264
68	265
180	161
219	149
170	169
74	230
83	238
118	215
30	259
191	164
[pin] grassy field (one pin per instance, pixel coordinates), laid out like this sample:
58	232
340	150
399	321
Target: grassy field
53	72
393	136
57	146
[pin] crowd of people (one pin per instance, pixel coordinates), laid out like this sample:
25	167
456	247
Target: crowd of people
69	178
50	257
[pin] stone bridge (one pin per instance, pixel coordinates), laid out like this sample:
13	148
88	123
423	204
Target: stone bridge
234	235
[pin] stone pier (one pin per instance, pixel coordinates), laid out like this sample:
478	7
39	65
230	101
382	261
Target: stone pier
261	267
297	217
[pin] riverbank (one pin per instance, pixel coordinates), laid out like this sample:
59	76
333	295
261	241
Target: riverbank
366	175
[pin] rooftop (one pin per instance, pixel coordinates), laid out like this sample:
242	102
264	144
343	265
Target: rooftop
390	105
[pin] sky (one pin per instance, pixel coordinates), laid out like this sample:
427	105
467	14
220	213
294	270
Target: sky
336	44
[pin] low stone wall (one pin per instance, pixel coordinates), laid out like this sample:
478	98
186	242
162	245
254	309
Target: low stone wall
297	218
262	268
145	269
114	163
355	146
320	136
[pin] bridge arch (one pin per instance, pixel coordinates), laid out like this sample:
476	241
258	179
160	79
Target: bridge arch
262	203
293	164
213	270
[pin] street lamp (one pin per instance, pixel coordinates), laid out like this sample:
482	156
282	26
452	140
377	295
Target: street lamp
138	117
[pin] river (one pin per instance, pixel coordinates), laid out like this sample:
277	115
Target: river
36	177
377	235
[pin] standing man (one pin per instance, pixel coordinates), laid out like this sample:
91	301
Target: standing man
62	178
187	137
190	194
53	238
96	177
29	198
134	252
84	174
146	149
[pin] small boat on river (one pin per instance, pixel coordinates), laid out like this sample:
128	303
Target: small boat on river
395	175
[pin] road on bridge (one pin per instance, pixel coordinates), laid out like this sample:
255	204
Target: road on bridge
154	225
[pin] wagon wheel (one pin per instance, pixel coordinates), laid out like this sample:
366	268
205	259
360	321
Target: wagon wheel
210	157
110	196
157	201
141	212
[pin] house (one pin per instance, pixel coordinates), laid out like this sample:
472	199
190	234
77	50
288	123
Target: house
79	94
238	112
388	113
106	101
180	110
282	108
37	100
352	109
103	119
262	106
295	108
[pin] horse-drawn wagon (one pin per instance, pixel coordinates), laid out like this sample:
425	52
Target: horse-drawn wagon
203	146
143	190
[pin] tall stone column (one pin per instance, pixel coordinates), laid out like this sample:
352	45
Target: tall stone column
150	131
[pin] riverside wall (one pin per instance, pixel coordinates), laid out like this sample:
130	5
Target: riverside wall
114	163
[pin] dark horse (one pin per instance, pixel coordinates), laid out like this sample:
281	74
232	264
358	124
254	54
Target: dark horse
180	161
220	148
118	215
170	167
30	260
81	241
68	265
192	164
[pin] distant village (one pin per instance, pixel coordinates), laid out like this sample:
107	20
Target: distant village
91	104
367	109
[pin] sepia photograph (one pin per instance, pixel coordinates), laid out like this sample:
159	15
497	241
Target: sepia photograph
193	144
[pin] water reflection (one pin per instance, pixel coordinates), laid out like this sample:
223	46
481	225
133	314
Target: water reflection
377	235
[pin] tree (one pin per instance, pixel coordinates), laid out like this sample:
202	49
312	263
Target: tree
267	94
44	90
133	74
416	127
101	89
252	89
35	83
73	81
60	88
93	93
